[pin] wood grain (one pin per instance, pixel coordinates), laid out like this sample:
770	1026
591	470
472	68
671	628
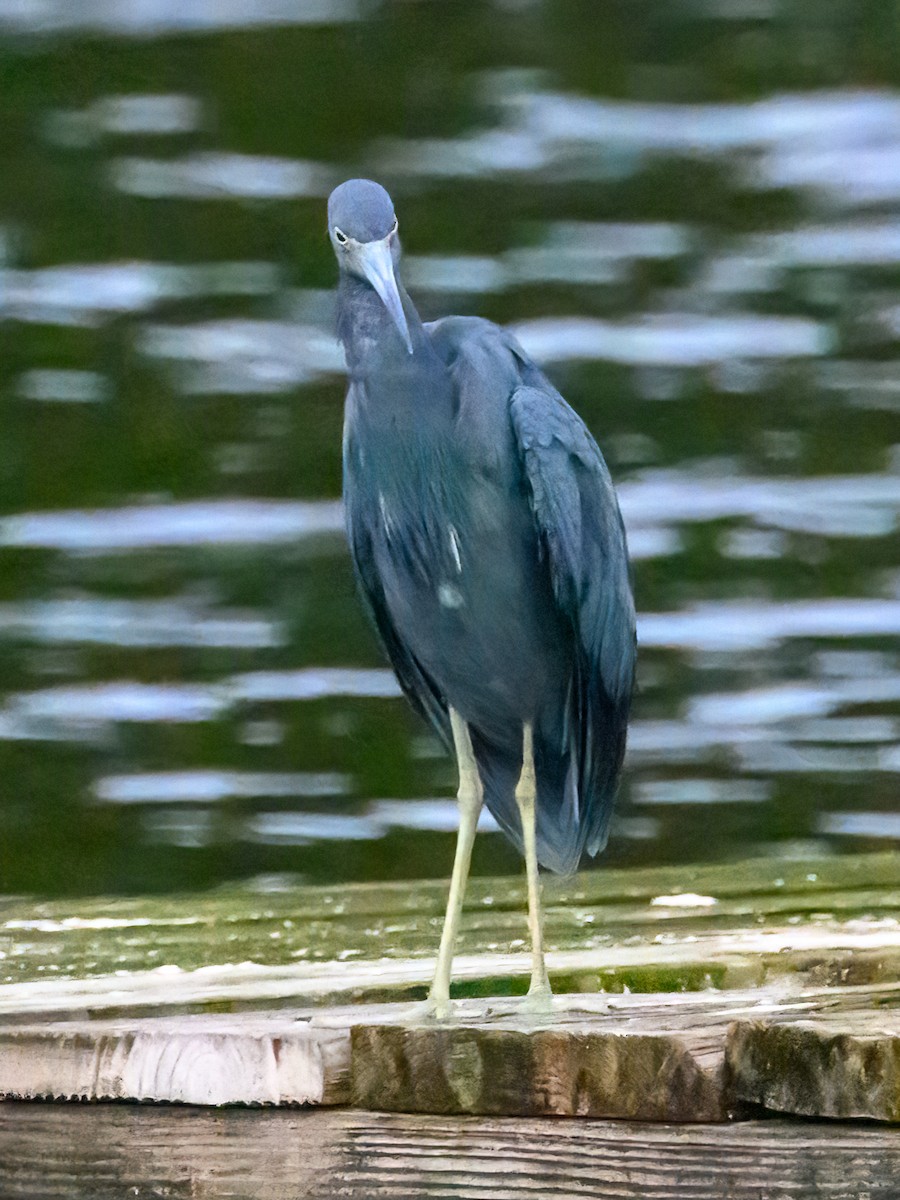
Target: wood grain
651	1058
106	1152
514	1072
213	1060
829	920
647	1057
831	1067
116	998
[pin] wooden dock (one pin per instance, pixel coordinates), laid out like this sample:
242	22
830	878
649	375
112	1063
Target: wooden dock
692	1005
110	1152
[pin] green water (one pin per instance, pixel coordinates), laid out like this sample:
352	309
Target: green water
691	214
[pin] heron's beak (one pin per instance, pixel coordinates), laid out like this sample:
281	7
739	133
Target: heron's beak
377	265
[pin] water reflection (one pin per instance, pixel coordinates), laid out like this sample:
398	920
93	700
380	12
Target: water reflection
54	713
681	340
811	140
124	116
90	294
208	787
742	626
224	176
161	17
708	270
129	623
703	791
861	824
141	527
67	386
242	356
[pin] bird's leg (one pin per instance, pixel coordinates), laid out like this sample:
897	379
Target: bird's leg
470	797
526	798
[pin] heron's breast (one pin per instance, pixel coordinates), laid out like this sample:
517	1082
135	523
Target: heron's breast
469	592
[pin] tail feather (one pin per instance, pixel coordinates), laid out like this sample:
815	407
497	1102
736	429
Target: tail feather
567	817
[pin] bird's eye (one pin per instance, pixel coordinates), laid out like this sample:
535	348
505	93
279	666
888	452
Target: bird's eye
340	237
394	227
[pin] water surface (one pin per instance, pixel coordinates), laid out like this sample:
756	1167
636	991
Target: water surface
689	214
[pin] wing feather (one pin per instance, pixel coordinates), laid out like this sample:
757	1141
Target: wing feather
581	531
418	686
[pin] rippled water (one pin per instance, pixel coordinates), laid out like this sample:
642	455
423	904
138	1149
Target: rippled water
689	213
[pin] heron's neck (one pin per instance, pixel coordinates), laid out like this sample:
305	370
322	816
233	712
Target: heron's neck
372	343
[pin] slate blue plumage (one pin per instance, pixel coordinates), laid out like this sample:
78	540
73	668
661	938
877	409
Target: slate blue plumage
490	550
486	539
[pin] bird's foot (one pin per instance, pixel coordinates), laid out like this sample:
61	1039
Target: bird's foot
434	1008
539	1000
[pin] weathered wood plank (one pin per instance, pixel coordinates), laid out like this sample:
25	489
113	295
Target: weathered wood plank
52	1152
104	966
833	1066
576	1072
652	1058
824	952
633	1056
305	928
211	1060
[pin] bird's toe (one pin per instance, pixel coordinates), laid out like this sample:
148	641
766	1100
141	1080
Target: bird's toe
432	1009
538	1001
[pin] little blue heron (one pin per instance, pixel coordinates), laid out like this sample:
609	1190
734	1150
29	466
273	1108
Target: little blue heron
490	552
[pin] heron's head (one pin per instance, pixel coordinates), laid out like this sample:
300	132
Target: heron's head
363	231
